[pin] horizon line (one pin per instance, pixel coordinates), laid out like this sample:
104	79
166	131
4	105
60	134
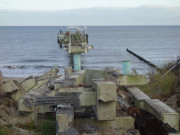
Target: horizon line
84	25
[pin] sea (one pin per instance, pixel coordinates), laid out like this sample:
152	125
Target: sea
32	50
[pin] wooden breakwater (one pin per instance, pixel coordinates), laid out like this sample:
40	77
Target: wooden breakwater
144	60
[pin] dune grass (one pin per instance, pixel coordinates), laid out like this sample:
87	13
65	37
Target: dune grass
159	86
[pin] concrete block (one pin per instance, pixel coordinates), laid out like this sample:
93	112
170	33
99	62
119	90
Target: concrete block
138	96
1	78
96	80
64	117
106	100
28	84
105	111
106	91
132	80
77	78
162	112
10	86
87	98
93	74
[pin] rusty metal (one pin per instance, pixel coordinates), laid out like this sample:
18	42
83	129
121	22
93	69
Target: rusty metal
148	124
145	122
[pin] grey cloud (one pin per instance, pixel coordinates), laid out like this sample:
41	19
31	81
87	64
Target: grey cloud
94	16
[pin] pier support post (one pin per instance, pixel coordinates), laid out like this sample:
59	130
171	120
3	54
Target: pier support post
77	62
126	66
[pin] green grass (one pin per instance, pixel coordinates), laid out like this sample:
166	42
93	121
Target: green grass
3	131
161	86
46	126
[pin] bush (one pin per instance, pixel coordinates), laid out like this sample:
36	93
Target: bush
160	86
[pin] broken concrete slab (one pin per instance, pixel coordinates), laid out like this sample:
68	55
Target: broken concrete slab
28	84
132	80
115	75
10	86
76	78
162	112
94	74
137	95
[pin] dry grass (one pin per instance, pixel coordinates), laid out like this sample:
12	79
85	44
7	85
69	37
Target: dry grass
161	86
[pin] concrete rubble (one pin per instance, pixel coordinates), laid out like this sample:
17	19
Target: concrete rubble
95	89
18	89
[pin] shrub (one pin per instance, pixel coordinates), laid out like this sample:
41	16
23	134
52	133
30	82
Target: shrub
160	86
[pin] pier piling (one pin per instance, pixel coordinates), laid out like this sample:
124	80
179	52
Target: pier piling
77	62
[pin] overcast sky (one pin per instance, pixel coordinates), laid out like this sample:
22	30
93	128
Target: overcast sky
62	12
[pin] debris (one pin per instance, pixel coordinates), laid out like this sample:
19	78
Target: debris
10	86
29	83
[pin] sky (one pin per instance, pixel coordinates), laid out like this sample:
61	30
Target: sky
47	12
54	5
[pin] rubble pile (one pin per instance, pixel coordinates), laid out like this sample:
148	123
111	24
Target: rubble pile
18	89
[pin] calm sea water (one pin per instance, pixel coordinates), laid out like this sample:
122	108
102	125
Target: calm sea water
28	51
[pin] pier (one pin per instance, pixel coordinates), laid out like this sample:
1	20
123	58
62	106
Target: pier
75	40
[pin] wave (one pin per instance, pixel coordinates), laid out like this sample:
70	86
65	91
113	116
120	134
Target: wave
30	66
